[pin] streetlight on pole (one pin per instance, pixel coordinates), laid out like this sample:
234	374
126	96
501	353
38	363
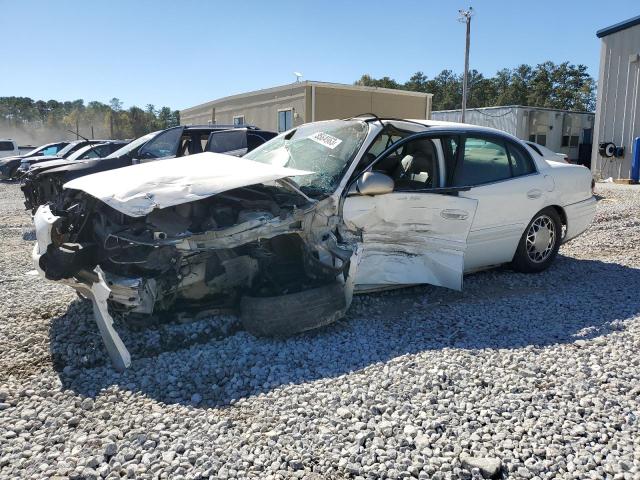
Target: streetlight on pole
465	16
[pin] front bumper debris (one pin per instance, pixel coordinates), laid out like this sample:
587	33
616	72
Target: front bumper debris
91	284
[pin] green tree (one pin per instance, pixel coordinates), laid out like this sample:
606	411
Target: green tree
563	86
418	82
384	82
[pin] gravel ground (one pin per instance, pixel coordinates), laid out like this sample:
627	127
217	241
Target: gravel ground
519	376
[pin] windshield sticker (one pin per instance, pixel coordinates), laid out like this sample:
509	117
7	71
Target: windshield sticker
326	140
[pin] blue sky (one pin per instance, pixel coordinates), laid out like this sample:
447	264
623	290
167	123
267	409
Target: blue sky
180	53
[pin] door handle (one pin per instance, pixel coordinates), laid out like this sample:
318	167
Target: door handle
454	214
535	193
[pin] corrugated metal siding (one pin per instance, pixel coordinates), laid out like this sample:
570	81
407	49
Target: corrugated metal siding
526	121
618	109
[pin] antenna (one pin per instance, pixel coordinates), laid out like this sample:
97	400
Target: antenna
298	76
465	17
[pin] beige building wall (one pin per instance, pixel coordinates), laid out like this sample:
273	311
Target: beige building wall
309	101
336	102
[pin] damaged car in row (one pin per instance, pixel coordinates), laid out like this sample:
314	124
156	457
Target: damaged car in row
290	231
44	182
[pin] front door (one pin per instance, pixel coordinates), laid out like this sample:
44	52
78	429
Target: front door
410	238
164	145
416	233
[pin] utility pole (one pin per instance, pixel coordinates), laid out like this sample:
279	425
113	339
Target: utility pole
465	16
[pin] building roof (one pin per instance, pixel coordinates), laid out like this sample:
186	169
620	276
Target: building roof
603	32
527	107
279	88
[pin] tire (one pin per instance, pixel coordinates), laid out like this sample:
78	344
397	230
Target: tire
12	173
287	315
538	248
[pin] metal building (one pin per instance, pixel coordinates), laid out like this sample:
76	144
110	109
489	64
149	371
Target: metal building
618	104
281	108
563	131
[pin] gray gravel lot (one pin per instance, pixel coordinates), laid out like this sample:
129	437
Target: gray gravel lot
524	376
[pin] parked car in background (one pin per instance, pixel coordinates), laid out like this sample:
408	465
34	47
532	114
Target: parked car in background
22	149
65	152
291	230
9	165
85	153
547	153
8	148
40	187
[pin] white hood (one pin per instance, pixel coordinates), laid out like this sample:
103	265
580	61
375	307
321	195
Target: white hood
139	189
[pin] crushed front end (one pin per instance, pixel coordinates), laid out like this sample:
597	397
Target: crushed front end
256	242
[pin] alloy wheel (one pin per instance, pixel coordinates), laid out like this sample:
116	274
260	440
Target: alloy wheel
541	238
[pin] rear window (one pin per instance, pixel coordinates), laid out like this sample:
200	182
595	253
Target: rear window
227	141
6	146
521	163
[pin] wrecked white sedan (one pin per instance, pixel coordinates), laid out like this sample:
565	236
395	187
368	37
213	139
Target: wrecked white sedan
290	231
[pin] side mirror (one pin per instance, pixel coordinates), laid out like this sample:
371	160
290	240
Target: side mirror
373	183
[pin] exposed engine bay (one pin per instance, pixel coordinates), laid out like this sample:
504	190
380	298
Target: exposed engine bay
259	241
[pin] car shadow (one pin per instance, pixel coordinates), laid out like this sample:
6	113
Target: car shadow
218	362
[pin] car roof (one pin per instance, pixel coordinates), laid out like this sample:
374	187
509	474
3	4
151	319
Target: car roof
218	127
91	140
437	125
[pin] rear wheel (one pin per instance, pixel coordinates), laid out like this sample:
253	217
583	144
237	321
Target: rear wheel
539	243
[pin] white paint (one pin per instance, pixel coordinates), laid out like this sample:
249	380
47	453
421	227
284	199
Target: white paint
411	238
98	292
139	189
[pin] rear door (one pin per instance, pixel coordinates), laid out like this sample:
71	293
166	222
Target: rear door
501	176
418	232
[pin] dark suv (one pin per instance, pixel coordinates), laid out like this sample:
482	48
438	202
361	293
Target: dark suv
42	187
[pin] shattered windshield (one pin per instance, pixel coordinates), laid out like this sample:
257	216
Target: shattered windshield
325	148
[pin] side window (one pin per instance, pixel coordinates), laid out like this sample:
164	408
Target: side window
483	161
382	143
227	141
379	145
413	166
91	153
521	163
50	151
164	145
